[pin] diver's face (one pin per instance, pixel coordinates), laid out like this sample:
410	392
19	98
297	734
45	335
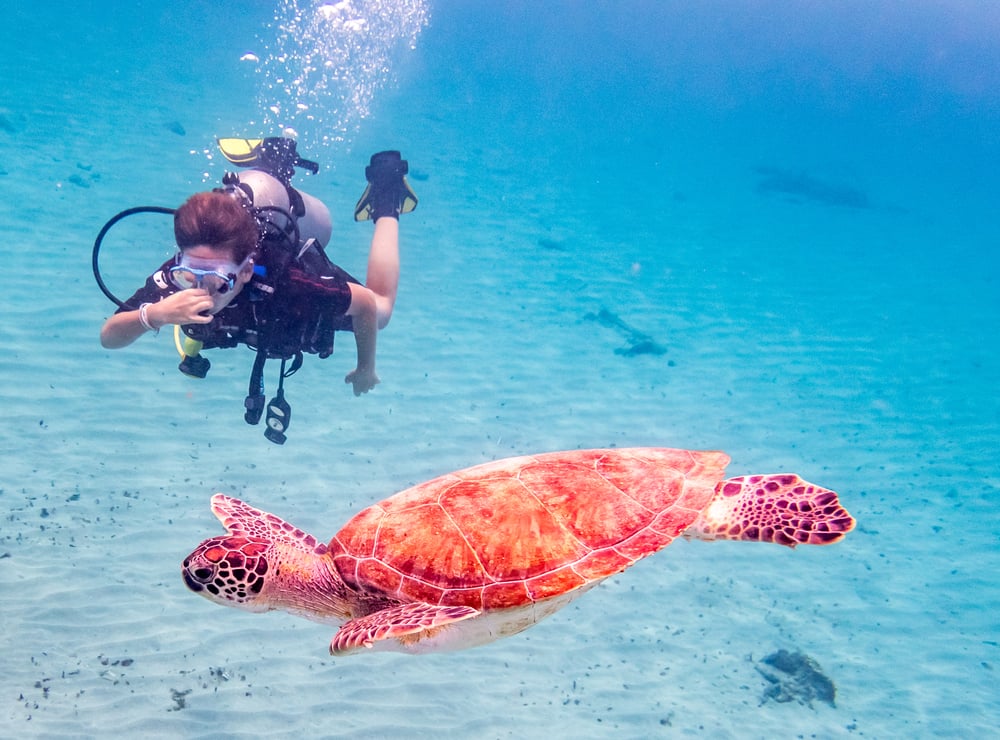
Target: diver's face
208	268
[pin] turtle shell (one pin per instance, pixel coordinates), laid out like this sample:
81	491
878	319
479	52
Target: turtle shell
519	530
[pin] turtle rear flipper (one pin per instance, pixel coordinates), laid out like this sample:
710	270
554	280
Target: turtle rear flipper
780	508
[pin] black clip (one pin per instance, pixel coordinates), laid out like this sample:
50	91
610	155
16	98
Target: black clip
254	409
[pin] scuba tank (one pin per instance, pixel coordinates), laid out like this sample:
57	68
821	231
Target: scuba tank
288	208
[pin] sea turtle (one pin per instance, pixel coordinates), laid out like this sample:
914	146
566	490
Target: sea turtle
486	552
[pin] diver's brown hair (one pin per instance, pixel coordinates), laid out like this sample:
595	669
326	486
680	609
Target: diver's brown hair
217	220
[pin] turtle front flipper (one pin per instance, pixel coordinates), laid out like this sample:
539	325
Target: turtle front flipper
242	519
407	623
780	508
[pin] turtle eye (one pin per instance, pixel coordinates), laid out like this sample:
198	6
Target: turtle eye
197	577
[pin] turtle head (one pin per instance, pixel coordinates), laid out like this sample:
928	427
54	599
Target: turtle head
229	570
261	563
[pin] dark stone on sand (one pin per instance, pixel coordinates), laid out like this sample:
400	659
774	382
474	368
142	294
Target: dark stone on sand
803	186
638	343
795	677
643	347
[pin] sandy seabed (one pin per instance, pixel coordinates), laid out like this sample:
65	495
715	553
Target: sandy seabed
795	339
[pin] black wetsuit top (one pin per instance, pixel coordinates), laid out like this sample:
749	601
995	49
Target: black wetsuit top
297	312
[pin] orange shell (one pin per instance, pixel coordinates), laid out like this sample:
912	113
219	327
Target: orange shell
510	532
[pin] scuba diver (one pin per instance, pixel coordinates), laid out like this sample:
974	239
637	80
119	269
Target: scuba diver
251	269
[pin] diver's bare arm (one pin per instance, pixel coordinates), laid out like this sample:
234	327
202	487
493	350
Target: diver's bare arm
363	313
122	329
185	307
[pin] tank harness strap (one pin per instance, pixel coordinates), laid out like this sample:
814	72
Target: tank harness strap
295	202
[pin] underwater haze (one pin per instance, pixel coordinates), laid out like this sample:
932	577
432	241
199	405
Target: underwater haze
757	226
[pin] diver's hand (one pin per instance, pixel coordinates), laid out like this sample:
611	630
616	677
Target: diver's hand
191	306
362	379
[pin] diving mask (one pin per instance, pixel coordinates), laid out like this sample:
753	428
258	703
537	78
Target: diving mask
216	277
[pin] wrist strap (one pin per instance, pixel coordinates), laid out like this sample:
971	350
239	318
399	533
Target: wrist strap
144	319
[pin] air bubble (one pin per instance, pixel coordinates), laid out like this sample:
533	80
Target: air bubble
326	63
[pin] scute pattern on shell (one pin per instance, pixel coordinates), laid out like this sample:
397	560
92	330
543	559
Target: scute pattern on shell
524	529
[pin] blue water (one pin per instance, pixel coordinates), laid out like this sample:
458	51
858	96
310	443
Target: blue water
794	201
